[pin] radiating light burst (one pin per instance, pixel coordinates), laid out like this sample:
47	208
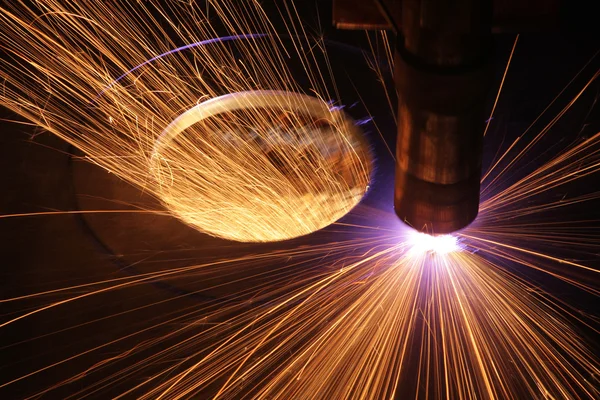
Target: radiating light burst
363	316
421	243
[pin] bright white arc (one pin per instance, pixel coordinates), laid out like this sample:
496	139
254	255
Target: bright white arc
421	243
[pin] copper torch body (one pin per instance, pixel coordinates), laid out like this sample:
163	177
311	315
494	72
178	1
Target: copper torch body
442	75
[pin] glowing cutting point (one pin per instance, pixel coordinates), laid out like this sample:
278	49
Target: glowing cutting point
421	243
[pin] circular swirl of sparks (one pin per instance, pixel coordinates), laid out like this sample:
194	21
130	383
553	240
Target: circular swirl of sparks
261	166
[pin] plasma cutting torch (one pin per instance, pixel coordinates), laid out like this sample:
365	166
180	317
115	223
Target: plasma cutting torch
443	71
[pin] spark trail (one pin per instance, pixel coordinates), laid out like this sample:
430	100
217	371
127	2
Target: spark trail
265	167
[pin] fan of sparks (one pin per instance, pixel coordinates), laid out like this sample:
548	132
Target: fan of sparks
379	311
212	128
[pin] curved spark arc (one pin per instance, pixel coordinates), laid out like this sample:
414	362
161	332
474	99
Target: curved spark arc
206	42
